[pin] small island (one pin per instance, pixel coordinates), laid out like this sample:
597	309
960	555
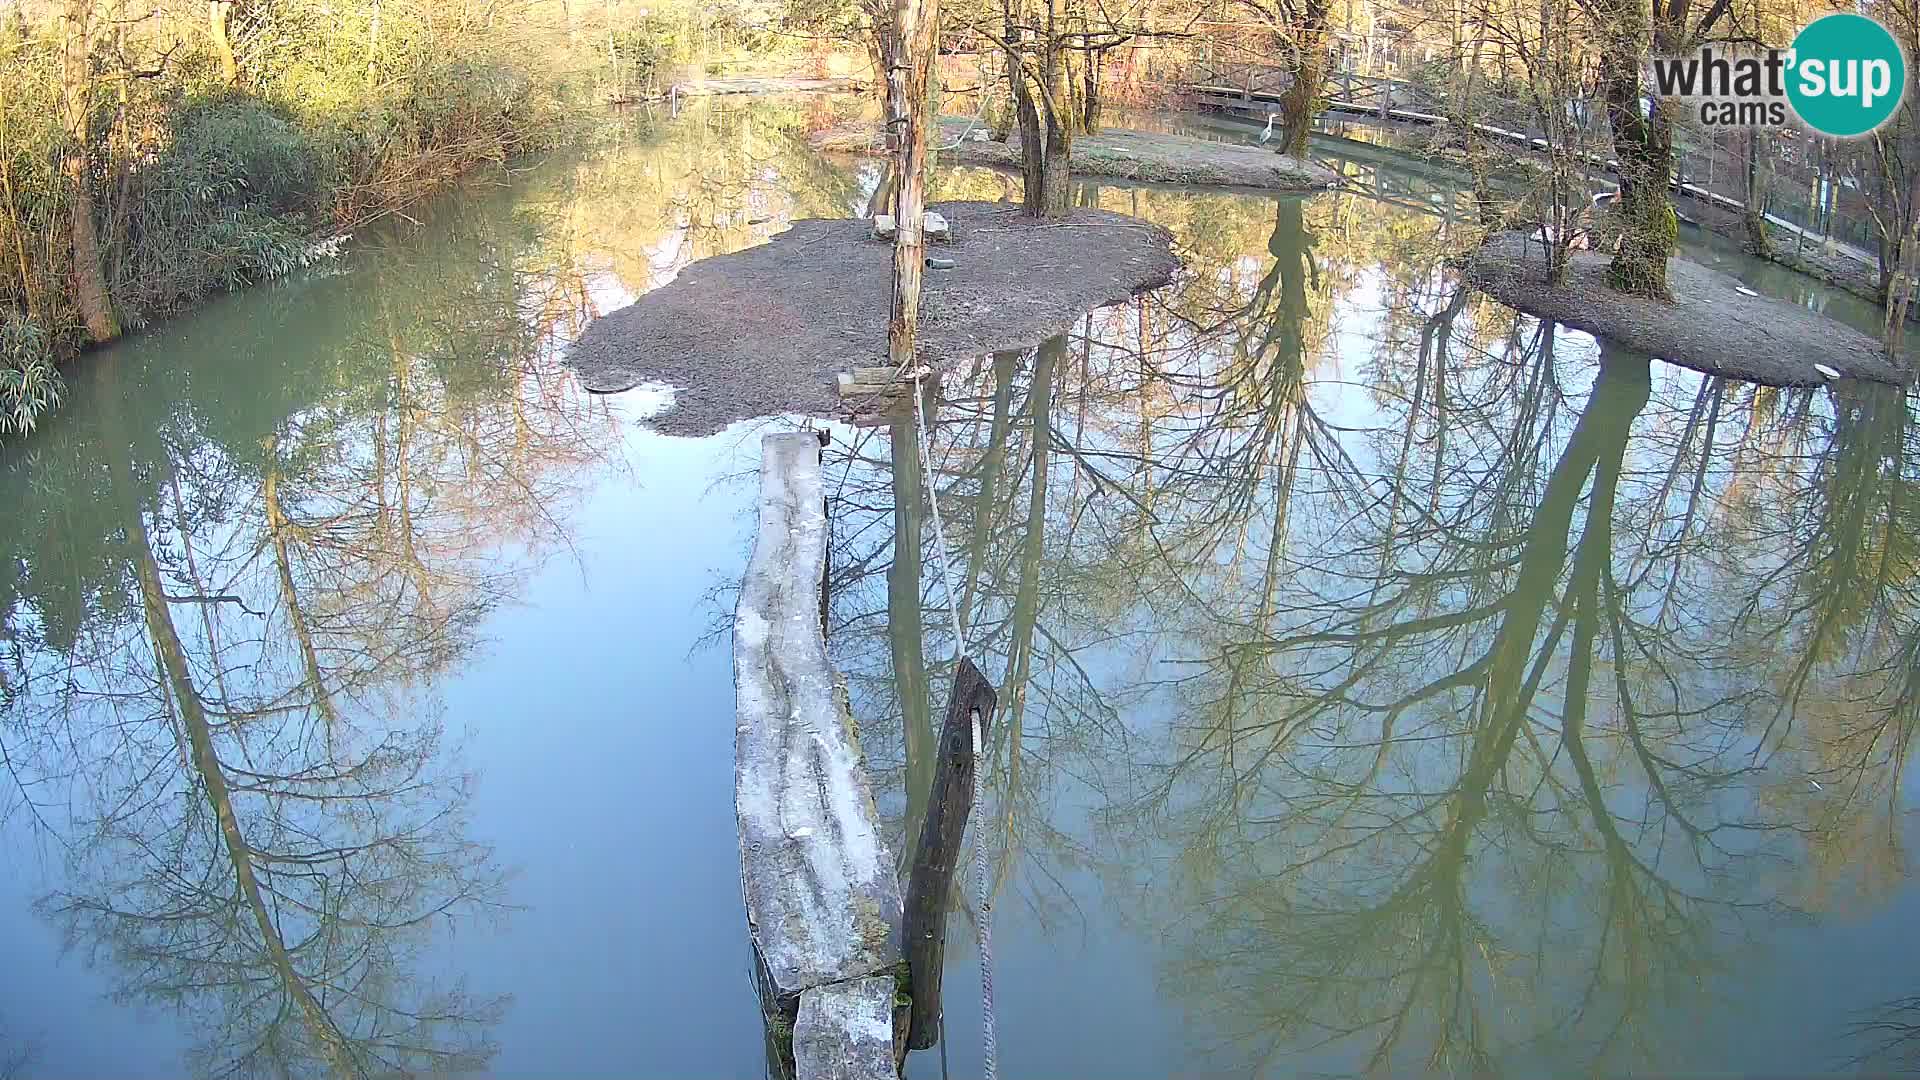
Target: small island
767	330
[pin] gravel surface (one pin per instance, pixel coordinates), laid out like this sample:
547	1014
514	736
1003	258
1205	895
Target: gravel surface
765	331
1125	155
1710	326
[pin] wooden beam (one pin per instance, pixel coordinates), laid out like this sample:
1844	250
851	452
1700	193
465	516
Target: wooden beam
938	854
822	897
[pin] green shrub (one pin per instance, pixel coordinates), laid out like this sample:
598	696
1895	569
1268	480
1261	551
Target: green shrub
229	201
29	385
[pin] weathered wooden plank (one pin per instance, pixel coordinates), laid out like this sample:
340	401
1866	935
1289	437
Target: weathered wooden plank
845	1031
823	904
872	377
850	388
938	852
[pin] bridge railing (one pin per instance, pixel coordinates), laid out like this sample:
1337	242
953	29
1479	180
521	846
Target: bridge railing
1246	76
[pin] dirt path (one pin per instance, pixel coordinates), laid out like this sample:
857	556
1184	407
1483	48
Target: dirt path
765	331
1124	155
1711	326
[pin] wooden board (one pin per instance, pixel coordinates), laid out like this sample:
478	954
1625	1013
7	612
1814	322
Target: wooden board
823	904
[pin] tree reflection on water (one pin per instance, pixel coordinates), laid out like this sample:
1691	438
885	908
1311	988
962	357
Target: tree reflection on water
1441	692
225	653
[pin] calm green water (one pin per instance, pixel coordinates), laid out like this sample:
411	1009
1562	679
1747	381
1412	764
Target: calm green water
1391	683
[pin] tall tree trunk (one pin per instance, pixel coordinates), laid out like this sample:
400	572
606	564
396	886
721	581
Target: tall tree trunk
916	42
1755	215
1297	104
1056	175
278	529
219	13
1090	95
985	513
880	53
1644	146
1026	597
76	78
170	654
1033	149
373	49
1906	267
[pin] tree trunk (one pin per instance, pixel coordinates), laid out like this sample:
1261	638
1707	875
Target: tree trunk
1032	147
1056	156
1090	97
1644	147
76	77
373	49
916	42
1906	266
1756	211
880	55
218	13
1297	104
1056	173
1016	77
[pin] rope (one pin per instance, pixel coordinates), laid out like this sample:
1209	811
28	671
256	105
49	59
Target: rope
983	923
982	883
939	528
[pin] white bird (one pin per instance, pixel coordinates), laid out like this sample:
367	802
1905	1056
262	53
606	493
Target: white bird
1267	135
1826	372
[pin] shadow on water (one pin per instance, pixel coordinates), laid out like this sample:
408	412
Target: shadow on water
1392	682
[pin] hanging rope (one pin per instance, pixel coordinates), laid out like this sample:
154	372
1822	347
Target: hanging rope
982	884
925	444
983	921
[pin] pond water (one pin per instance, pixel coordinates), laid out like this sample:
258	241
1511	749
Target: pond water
1389	682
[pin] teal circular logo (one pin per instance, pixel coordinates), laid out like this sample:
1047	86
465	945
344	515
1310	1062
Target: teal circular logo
1846	75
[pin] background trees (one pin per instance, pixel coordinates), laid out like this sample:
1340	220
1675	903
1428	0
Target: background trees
153	151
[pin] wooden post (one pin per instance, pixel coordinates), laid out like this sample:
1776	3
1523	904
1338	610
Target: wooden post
916	46
938	853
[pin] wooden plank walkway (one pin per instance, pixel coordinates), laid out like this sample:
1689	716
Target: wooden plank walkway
823	902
